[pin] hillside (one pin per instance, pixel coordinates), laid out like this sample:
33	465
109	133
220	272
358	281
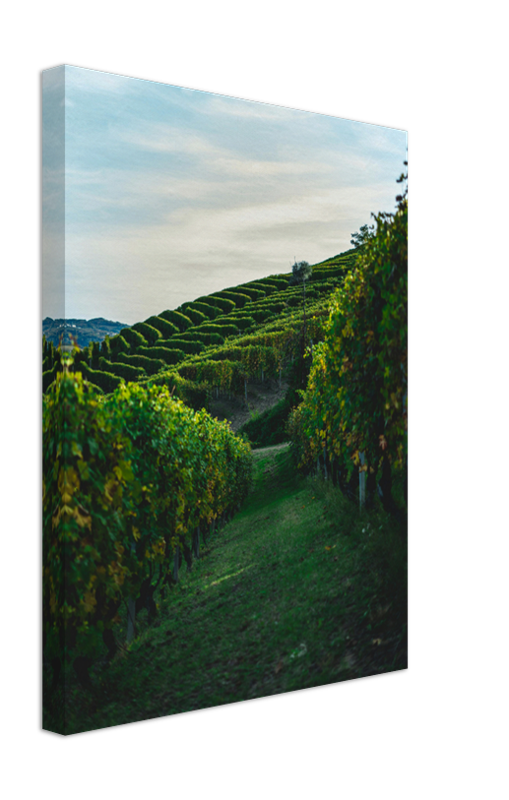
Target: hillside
237	352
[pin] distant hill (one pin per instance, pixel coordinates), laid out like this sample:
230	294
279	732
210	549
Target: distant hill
85	331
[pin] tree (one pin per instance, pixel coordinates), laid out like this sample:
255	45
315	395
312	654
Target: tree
365	233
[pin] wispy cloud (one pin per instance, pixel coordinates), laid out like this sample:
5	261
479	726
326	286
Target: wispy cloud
172	193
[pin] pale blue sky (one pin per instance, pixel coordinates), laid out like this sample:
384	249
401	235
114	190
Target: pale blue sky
172	193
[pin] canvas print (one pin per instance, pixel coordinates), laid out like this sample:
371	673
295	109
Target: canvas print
224	375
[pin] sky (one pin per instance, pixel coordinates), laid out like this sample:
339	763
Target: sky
155	194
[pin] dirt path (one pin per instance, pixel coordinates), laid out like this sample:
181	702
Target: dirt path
261	452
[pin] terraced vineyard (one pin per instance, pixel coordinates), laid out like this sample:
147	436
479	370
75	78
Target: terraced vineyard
211	347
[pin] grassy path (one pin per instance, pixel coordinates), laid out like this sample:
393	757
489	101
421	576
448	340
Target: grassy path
281	599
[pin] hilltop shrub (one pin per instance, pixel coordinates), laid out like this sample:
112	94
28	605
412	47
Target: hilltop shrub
177	318
169	356
278	283
196	317
165	328
151	334
238	299
187	346
125	371
134	338
263	286
224	305
254	294
197	335
258	314
221	330
118	344
242	323
209	310
150	365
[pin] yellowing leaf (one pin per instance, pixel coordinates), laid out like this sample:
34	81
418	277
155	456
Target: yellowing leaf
68	483
83	519
109	489
76	449
83	470
89	601
126	470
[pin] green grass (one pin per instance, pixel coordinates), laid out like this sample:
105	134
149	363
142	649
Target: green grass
299	590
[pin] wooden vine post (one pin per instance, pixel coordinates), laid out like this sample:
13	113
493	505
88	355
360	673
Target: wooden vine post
362	481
